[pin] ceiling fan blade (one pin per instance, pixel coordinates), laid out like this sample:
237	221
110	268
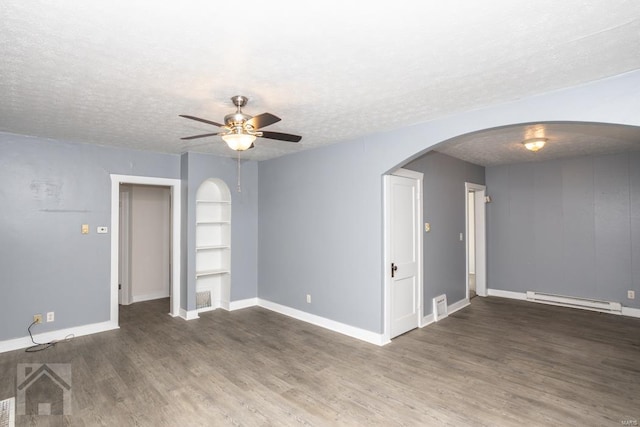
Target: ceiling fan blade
262	120
281	136
201	136
201	120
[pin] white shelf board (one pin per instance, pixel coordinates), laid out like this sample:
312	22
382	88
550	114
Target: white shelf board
211	247
212	222
215	272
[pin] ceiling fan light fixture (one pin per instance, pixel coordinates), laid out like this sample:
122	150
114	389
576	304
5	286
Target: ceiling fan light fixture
239	141
534	144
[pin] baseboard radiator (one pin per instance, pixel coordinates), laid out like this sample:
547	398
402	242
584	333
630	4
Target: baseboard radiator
575	302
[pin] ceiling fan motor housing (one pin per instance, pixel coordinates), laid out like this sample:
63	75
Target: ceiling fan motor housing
236	122
236	119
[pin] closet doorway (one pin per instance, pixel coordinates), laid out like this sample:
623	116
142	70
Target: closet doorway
145	243
174	186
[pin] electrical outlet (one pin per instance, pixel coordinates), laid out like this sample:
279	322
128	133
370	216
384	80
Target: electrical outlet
308	299
37	318
51	316
631	294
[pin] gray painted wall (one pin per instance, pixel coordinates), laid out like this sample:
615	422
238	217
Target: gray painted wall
444	255
568	227
315	227
320	224
244	220
49	189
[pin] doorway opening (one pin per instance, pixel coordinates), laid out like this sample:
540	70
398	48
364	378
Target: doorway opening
174	188
476	276
144	271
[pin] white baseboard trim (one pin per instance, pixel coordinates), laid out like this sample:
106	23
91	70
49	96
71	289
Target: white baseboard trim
61	334
631	312
149	297
506	294
426	320
459	305
243	303
216	303
189	315
451	308
352	331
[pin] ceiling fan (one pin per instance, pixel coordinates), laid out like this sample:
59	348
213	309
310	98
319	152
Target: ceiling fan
240	130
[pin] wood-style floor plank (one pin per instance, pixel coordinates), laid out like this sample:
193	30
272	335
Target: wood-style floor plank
497	362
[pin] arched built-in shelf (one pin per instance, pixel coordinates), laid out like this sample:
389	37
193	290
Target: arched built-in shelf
213	245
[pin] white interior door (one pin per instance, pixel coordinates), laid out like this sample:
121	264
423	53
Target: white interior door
402	225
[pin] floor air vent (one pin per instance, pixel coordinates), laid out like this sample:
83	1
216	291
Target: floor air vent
440	307
203	299
583	303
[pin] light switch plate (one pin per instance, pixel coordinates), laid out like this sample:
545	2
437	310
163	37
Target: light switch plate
85	228
103	230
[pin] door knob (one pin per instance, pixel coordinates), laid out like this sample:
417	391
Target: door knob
393	269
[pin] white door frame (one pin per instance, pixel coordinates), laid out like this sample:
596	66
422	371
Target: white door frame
175	185
418	176
480	237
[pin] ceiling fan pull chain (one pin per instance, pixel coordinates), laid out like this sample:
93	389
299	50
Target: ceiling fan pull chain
239	187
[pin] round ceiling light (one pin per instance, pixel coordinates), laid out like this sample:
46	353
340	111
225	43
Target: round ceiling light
534	144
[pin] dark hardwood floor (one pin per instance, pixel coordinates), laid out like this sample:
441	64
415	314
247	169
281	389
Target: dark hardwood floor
497	362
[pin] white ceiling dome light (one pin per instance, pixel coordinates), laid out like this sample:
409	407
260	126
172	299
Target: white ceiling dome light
534	144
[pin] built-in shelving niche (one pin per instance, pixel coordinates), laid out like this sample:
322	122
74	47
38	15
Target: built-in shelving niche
213	245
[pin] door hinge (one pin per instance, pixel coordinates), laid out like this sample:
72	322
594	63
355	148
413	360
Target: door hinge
119	287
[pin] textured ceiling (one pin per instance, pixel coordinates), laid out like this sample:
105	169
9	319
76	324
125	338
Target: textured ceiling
119	72
504	145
